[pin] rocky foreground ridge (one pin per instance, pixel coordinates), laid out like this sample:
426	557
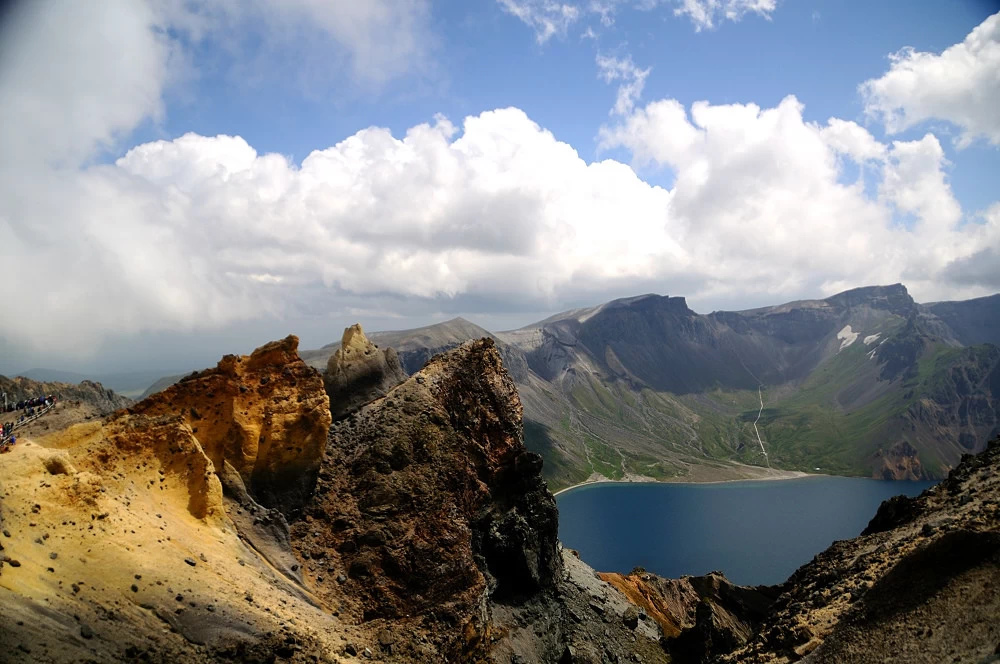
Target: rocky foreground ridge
232	517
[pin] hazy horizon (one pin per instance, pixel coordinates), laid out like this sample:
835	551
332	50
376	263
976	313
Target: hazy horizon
200	349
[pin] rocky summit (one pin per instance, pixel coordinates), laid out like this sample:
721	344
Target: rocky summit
232	517
359	372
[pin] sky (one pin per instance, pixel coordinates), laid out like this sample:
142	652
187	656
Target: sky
181	179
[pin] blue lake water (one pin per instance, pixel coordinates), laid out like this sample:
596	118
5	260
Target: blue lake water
756	532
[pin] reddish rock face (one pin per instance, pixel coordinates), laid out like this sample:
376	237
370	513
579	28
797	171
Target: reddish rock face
266	414
430	500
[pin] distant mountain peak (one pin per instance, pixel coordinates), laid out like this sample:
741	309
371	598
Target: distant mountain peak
894	298
652	302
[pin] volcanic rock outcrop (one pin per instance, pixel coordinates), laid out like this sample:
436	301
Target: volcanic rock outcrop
265	414
119	542
421	531
431	499
161	533
359	372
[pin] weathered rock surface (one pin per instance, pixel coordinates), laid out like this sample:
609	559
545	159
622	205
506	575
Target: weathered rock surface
431	499
265	414
431	522
209	523
359	372
706	612
144	537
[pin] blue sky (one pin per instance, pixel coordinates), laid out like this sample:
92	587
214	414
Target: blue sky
484	58
482	166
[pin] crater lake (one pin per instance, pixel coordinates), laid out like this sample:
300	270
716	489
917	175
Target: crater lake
756	532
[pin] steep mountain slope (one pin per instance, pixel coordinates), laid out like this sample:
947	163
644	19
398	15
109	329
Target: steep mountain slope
972	322
866	382
225	519
918	585
229	518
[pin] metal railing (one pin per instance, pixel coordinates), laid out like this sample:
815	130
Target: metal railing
5	440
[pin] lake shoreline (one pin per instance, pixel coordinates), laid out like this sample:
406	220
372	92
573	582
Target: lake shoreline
779	475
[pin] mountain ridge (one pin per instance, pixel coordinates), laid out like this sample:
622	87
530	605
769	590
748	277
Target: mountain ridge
643	387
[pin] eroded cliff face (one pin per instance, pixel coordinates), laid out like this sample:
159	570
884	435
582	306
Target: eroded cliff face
143	537
266	415
696	614
431	502
162	533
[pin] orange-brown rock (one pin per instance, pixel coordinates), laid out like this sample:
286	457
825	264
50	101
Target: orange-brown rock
128	546
697	613
266	414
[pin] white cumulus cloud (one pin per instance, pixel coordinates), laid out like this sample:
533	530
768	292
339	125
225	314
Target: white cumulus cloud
759	196
960	85
200	232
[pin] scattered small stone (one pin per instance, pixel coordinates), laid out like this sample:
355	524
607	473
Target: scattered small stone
86	631
53	555
12	562
341	578
203	558
6	533
190	561
631	618
367	653
179	598
350	649
135	588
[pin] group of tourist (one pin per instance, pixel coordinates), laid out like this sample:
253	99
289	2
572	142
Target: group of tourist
29	408
25	404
